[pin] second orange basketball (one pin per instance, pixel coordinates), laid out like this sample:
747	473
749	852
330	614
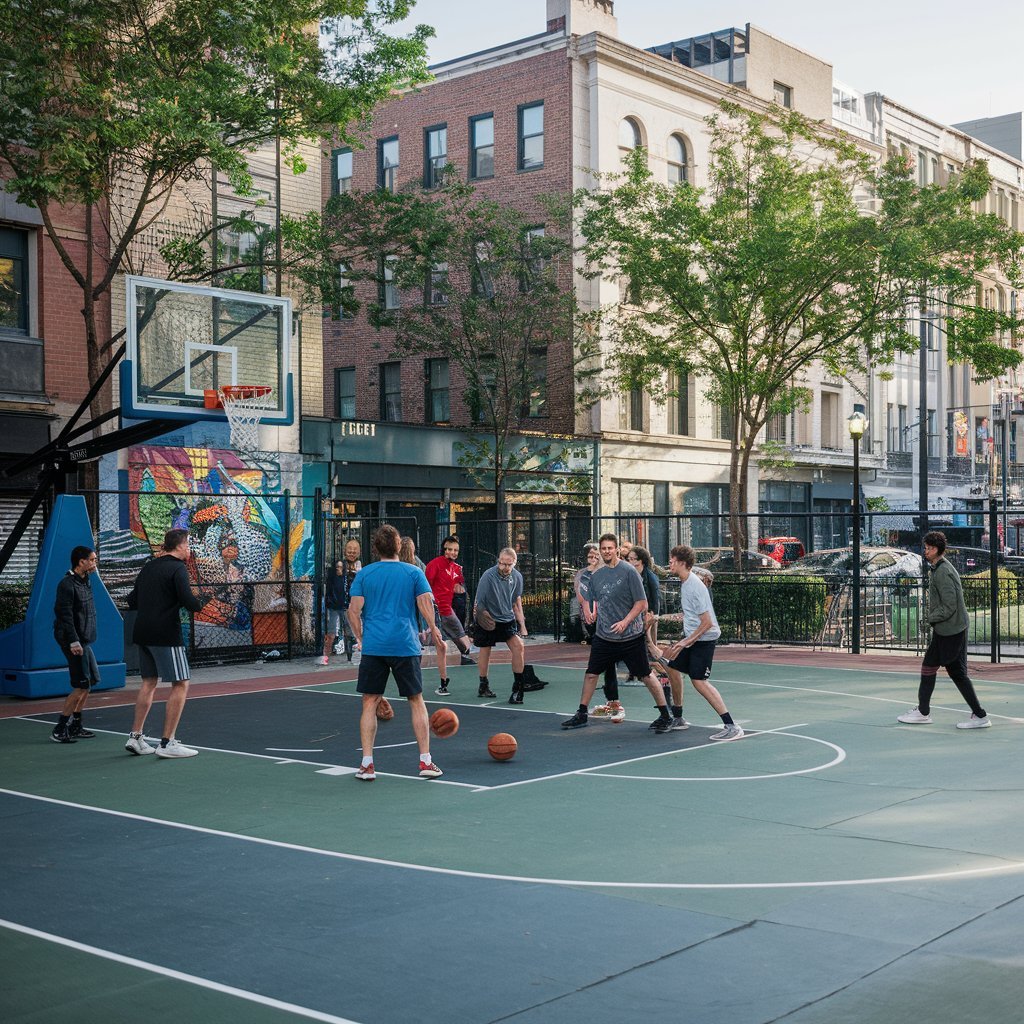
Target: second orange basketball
444	723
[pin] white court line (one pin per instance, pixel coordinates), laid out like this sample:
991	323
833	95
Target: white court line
633	760
838	759
167	972
296	750
860	696
583	883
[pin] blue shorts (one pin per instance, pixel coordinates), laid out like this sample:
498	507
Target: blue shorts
374	670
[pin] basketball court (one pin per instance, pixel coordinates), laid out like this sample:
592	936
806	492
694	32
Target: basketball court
831	866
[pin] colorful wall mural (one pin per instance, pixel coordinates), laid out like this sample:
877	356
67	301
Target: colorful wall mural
251	546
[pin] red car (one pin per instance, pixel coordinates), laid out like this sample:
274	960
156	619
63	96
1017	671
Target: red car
783	549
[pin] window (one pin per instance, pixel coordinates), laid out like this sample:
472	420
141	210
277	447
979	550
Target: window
345	392
388	290
342	171
679	405
482	396
922	168
531	136
775	428
14	281
902	426
387	163
391	392
435	155
437	404
892	437
932	442
483	281
678	160
481	146
783	94
629	137
534	263
830	420
437	286
636	409
537	402
723	422
345	290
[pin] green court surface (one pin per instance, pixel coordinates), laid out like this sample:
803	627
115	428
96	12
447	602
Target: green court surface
830	866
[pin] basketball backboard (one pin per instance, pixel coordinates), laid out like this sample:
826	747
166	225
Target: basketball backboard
184	339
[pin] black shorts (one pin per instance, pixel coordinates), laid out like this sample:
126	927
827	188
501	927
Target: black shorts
608	653
946	650
82	668
499	635
695	661
374	670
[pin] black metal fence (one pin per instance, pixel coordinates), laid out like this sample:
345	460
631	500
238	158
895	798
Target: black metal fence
259	564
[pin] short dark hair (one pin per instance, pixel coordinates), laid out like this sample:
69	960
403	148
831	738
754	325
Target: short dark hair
450	539
685	554
78	553
642	554
608	536
174	539
936	539
386	541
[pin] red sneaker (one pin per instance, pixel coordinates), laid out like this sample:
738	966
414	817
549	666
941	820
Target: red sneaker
430	771
367	774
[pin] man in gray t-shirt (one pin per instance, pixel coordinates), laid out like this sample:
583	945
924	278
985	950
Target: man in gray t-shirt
617	604
498	619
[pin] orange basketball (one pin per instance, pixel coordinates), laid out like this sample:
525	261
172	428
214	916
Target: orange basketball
502	746
444	723
385	712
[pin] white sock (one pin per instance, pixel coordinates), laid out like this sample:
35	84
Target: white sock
367	761
425	758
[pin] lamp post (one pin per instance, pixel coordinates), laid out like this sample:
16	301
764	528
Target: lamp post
858	424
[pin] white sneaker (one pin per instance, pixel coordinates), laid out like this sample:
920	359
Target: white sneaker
618	712
175	749
138	745
602	711
325	660
974	723
914	717
729	732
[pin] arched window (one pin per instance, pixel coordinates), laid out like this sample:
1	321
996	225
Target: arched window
629	137
678	160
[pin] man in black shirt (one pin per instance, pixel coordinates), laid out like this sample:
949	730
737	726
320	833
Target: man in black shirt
162	589
74	629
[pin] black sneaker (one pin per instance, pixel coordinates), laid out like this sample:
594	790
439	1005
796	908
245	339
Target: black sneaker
61	735
662	725
79	732
516	697
442	690
486	691
466	661
578	721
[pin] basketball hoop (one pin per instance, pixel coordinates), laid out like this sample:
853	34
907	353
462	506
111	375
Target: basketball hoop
243	405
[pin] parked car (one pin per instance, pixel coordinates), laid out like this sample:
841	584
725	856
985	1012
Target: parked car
724	560
783	549
874	562
970	561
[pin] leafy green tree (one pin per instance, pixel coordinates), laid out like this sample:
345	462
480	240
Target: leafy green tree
483	285
800	249
109	105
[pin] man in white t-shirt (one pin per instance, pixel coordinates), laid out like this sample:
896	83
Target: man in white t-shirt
693	654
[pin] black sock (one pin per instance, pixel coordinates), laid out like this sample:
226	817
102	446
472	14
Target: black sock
727	719
164	740
677	711
583	710
76	715
664	711
62	722
517	680
484	682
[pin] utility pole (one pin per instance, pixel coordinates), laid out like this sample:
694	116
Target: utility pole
922	414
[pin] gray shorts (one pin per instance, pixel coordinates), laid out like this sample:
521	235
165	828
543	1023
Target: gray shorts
451	626
332	623
169	664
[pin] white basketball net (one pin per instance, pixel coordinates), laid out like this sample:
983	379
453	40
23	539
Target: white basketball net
243	412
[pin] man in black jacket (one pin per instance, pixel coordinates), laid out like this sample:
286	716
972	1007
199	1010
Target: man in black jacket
74	629
162	589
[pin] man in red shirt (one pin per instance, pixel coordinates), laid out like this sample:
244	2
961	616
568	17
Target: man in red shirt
444	574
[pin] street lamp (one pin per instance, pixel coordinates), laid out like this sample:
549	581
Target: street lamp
857	424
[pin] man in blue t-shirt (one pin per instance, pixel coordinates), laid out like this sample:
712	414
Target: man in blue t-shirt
385	599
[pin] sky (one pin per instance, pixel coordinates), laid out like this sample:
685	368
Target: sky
947	59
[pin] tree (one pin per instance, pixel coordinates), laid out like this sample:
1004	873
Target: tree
801	249
482	285
143	96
